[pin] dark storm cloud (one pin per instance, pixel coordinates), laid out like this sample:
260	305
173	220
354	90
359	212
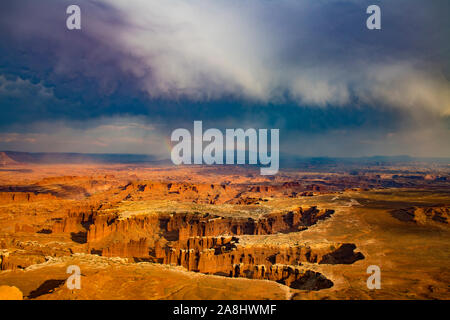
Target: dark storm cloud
80	68
307	67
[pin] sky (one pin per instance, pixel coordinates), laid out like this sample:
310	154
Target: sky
139	69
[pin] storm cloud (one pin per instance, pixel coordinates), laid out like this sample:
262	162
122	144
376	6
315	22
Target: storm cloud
310	68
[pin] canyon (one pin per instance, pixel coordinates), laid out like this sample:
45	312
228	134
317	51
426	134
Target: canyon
303	235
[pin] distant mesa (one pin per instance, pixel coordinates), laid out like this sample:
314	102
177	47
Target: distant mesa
16	157
288	161
5	160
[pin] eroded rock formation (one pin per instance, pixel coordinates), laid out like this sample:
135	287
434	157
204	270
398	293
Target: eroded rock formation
15	197
210	244
200	242
423	215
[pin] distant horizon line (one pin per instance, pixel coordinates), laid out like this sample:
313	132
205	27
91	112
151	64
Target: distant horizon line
404	156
